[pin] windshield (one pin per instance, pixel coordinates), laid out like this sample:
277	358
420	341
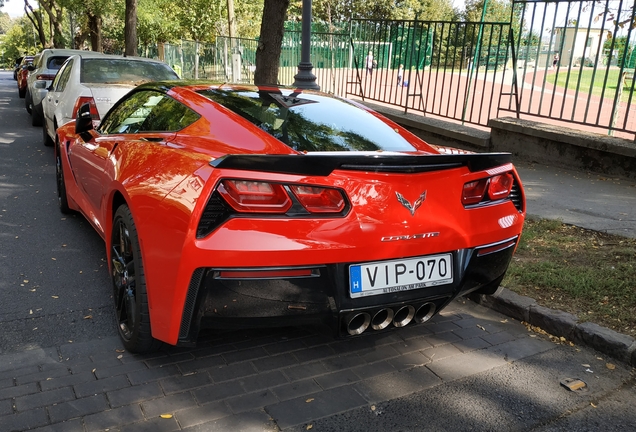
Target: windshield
112	71
310	122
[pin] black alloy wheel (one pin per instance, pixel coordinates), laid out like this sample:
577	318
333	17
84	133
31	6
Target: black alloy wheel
62	200
129	285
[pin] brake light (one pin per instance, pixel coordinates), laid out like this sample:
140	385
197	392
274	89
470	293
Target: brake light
45	77
318	199
255	197
474	191
91	102
500	186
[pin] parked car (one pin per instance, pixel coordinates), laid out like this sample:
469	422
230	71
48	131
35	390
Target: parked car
99	80
238	206
41	75
23	73
16	67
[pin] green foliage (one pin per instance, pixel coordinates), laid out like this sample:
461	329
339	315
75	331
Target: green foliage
5	22
20	39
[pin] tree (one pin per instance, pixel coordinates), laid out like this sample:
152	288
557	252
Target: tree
130	28
270	41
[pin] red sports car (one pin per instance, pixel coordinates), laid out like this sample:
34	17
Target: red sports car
240	206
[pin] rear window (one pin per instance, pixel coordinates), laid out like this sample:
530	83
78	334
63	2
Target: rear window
55	62
310	122
113	71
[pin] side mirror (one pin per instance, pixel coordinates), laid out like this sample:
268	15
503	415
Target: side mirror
83	120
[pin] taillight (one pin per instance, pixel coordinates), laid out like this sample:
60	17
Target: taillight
45	77
255	197
91	102
474	192
500	186
494	188
319	199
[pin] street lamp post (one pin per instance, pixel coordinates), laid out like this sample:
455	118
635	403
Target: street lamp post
305	79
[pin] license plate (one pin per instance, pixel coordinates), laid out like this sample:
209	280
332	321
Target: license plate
400	275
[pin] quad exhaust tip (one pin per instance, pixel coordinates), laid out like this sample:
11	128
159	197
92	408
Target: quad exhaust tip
358	322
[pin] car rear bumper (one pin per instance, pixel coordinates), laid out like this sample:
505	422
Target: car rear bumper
215	301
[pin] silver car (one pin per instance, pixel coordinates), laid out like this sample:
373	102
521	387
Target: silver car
40	77
99	80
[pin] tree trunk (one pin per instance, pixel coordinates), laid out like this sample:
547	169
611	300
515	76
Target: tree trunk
130	28
269	44
36	20
95	27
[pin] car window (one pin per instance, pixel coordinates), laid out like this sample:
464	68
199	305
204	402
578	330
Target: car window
111	71
61	79
311	122
55	62
147	111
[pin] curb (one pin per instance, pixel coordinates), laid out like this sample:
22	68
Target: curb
561	324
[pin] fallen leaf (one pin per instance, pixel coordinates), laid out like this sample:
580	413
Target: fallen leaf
120	350
55	297
372	407
481	327
166	416
309	426
610	366
585	365
88	317
504	321
589	370
309	400
120	356
592	403
93	371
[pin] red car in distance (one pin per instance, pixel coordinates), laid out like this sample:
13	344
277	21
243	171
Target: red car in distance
22	74
240	206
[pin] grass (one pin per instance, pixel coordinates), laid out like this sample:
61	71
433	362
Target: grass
596	86
587	273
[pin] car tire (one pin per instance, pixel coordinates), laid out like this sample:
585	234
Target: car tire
46	139
21	92
36	115
129	285
62	198
28	102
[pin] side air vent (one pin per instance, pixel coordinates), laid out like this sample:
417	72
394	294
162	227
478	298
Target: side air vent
216	211
190	302
515	196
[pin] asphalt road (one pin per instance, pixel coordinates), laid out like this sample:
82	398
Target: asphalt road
469	369
54	285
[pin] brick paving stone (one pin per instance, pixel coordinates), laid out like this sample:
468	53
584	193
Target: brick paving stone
441	352
251	401
248	421
263	381
373	369
498	338
413	331
304	371
28	358
77	408
168	404
412	345
6	382
95	347
24	421
471	344
68	380
329	402
171	359
120	369
180	383
342	362
15	373
313	340
201	414
214	350
41	376
113	418
442	327
285	347
233	371
199	364
154	374
217	392
408	361
296	389
443	338
470	332
397	384
16	391
24	403
101	386
134	394
520	348
275	362
153	425
74	425
257	342
336	379
6	407
378	353
466	364
315	353
244	355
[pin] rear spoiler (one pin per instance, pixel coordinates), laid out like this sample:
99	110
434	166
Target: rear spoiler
317	164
